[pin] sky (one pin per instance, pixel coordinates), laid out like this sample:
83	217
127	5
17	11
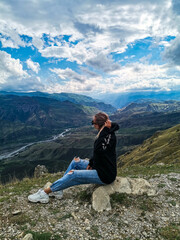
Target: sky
90	47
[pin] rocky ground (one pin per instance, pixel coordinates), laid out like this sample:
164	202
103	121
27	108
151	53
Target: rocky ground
71	218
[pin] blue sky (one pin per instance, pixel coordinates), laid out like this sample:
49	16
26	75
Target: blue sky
90	47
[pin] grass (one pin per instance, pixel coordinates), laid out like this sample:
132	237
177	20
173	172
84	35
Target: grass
27	184
171	232
40	236
20	219
84	196
147	205
120	198
68	215
139	170
94	232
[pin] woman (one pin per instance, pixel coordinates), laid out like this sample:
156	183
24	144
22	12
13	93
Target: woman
100	169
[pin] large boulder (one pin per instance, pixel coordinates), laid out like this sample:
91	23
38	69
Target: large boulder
101	196
40	170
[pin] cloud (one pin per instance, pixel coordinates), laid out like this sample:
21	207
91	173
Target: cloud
139	76
172	52
10	67
104	63
13	77
88	33
68	74
34	66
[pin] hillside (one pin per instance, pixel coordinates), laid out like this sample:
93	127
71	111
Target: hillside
26	119
163	147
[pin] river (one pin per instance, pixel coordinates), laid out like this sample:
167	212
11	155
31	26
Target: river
16	152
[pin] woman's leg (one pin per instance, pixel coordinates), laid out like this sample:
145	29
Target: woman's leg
78	164
76	177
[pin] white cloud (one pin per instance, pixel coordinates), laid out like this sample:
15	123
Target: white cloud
10	67
13	77
172	52
68	74
95	31
34	66
139	76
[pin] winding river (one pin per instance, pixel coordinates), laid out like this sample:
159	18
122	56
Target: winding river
16	152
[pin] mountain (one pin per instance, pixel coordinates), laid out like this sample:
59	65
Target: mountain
120	100
163	146
24	119
149	114
71	97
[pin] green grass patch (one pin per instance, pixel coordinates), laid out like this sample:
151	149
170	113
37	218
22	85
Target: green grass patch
27	184
94	232
147	205
136	170
84	196
40	236
161	185
68	215
171	232
120	198
20	219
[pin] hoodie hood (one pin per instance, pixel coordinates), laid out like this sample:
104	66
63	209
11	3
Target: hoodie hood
114	127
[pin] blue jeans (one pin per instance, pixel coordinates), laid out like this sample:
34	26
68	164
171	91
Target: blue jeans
76	174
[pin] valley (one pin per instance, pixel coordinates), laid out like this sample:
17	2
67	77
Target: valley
137	121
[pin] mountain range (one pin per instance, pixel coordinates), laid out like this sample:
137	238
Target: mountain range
120	100
26	119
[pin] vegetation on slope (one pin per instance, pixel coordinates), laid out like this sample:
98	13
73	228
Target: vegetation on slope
162	147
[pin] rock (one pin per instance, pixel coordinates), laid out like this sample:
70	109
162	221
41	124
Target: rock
140	186
28	236
101	196
16	212
101	199
40	170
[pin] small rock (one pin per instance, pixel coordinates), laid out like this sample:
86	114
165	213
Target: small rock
28	236
86	221
40	170
16	212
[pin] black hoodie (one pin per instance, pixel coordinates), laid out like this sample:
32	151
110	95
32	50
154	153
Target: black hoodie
104	156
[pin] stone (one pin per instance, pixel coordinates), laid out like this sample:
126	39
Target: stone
101	196
40	170
28	236
16	212
101	200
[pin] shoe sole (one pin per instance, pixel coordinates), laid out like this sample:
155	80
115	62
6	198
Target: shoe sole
41	201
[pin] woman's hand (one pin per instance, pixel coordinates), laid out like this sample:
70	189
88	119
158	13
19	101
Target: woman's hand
107	124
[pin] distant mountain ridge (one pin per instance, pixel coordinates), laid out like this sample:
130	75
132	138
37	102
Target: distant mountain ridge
120	100
151	106
72	97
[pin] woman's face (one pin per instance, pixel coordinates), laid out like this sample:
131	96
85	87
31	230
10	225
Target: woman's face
95	125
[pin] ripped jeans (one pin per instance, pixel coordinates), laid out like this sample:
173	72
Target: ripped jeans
76	174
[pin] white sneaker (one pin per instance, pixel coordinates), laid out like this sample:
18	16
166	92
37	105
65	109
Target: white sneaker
40	196
57	194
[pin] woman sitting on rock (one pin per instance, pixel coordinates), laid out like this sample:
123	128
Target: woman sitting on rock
100	169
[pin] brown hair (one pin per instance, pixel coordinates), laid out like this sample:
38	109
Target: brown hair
101	118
